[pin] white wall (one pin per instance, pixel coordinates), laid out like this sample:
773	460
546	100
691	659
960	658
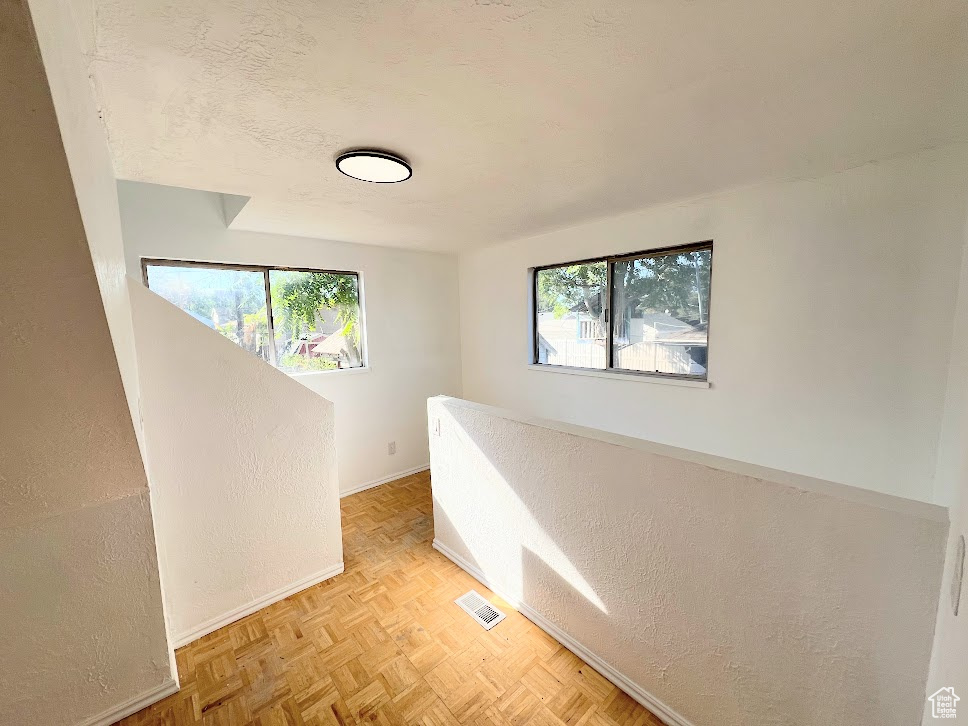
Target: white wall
411	308
832	305
82	630
730	594
949	659
242	461
89	159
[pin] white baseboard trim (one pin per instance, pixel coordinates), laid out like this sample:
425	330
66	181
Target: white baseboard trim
133	705
221	621
664	712
377	482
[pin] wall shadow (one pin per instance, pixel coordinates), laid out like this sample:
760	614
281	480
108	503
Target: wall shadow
619	532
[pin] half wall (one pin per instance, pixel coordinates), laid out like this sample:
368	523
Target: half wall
714	592
242	464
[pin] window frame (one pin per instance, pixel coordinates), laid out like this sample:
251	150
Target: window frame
608	296
270	324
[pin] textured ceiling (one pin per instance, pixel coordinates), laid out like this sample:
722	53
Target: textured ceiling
517	116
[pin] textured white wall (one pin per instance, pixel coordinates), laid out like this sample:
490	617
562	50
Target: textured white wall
832	305
82	628
949	659
411	308
87	152
242	461
733	594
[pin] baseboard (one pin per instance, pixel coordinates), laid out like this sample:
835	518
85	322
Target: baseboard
384	480
221	621
133	705
664	712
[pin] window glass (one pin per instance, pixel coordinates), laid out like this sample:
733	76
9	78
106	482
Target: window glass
315	322
660	313
570	309
316	319
231	301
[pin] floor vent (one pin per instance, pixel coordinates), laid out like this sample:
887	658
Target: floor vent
480	609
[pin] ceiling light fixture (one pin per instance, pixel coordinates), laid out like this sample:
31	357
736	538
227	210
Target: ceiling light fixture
373	166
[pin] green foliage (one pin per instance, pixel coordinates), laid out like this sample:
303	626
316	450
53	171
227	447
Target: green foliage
301	295
298	362
677	284
562	288
234	303
258	320
228	330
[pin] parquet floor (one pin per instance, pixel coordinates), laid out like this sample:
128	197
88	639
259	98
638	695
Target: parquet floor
384	643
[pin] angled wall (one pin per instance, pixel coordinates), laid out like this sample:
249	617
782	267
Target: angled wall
713	591
82	632
410	305
89	160
242	461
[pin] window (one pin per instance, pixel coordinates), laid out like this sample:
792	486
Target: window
646	312
298	320
570	321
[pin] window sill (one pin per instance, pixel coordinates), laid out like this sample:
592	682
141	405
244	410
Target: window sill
620	376
335	371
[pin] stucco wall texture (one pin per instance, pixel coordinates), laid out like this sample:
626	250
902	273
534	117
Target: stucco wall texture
733	598
89	160
242	461
82	627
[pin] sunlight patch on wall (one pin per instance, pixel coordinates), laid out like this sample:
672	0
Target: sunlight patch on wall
500	502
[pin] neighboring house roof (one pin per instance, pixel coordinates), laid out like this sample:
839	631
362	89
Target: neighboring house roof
579	307
694	336
662	322
333	345
300	343
666	327
543	343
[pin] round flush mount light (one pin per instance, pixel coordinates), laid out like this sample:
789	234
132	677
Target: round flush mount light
373	166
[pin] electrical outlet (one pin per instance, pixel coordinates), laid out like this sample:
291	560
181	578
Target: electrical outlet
392	448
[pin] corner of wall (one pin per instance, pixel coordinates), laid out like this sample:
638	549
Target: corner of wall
88	157
950	643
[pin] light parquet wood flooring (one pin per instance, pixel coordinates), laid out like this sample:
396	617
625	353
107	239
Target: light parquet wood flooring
384	643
